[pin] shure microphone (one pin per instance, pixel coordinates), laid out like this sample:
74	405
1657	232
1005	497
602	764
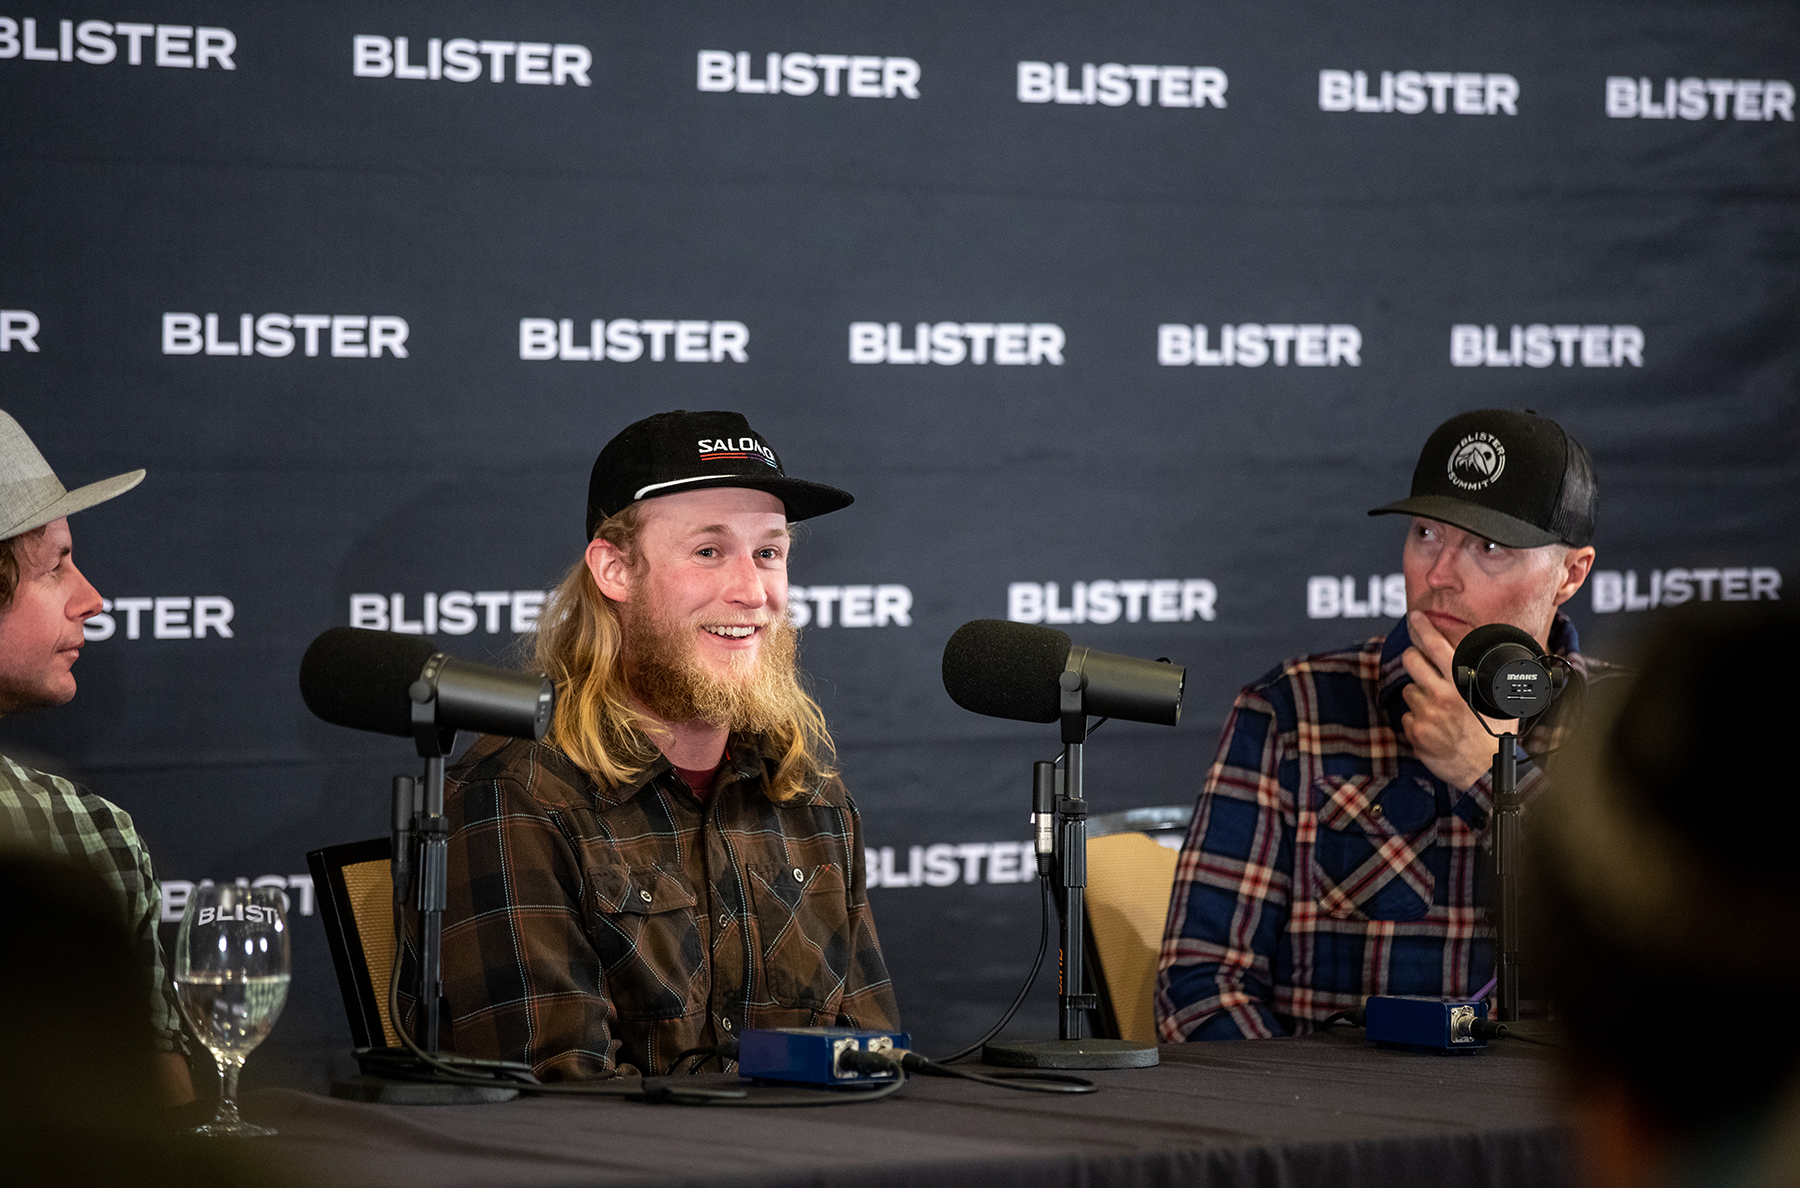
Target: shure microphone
1017	671
370	680
1014	670
1502	672
1036	674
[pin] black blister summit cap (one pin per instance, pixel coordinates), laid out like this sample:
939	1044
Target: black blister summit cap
1514	477
691	451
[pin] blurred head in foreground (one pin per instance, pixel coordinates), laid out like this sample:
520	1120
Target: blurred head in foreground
1665	911
81	1103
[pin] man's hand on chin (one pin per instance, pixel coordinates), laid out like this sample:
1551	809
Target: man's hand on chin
1443	730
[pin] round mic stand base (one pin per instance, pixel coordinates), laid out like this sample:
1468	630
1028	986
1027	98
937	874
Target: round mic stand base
388	1091
1072	1053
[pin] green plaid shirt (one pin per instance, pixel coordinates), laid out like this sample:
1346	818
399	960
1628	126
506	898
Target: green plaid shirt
50	813
598	929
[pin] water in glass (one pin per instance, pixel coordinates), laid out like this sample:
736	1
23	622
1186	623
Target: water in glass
231	977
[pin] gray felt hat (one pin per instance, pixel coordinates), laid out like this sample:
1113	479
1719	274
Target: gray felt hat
30	493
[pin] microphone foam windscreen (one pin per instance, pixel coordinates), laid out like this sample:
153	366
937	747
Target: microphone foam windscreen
1481	640
1006	670
358	678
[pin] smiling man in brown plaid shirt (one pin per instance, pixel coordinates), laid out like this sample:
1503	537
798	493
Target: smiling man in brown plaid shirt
676	861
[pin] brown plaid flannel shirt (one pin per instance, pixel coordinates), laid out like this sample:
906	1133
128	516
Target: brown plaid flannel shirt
599	929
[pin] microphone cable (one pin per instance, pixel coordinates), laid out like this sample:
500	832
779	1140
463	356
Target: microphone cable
1037	963
782	1097
704	1055
912	1062
1493	1029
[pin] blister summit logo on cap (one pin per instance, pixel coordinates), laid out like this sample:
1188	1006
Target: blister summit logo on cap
719	449
1477	461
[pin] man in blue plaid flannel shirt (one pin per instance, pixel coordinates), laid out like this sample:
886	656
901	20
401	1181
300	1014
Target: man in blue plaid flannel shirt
44	601
1339	843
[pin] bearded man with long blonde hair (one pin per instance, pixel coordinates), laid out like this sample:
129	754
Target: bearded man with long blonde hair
676	860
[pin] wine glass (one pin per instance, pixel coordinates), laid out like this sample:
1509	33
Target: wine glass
231	977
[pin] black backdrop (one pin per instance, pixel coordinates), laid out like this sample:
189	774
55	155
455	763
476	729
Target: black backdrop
1610	186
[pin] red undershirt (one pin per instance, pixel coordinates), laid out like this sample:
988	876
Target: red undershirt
700	782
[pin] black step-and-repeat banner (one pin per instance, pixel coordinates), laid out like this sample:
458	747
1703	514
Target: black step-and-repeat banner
1114	319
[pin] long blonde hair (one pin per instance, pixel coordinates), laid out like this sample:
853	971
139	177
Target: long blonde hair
580	645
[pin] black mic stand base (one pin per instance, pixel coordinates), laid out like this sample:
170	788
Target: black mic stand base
386	1091
1071	1053
394	1076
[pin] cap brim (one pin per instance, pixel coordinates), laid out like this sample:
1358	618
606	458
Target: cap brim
71	502
803	500
1496	526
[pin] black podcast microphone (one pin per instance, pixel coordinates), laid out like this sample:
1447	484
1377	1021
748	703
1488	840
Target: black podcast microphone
1500	670
1013	670
370	680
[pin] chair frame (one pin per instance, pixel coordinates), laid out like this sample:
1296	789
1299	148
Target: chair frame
347	954
1103	1023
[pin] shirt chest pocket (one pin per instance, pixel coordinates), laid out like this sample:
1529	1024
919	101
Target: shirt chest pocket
802	932
1372	847
648	940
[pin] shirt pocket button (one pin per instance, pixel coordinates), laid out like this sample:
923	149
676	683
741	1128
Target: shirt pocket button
644	895
799	877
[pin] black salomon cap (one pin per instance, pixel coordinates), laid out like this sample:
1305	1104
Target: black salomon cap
692	451
1514	477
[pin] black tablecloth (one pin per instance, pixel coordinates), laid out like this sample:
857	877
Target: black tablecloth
1324	1111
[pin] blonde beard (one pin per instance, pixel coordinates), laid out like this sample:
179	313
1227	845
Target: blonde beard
668	678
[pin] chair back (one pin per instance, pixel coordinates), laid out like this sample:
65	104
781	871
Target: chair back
355	887
1130	878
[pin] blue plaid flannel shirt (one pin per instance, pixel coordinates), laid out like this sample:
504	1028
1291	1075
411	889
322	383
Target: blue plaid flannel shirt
1325	862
